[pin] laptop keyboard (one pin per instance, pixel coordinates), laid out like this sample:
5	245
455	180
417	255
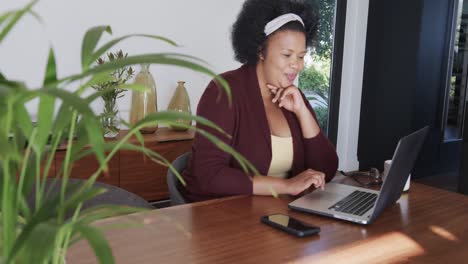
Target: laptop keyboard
357	203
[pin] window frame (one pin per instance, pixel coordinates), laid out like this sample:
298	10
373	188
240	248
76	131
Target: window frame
336	70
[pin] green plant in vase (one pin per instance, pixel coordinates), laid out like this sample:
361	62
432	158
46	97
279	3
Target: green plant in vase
41	233
111	90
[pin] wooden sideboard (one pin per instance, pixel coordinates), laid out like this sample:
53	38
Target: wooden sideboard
131	170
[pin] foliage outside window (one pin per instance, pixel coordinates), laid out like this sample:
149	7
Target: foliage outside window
314	80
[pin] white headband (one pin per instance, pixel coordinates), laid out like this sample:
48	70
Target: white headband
278	22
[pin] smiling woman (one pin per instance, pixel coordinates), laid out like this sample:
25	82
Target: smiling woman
269	120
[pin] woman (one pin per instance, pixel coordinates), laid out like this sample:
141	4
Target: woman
270	121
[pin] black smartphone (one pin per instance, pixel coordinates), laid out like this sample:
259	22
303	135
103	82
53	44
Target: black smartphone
290	225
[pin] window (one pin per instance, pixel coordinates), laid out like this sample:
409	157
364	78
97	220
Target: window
459	77
321	77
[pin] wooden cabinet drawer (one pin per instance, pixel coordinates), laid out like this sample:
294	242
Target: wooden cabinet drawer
51	172
86	167
129	169
143	176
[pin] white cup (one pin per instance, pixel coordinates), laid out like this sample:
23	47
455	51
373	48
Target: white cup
387	165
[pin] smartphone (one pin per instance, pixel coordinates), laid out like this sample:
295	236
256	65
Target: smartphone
290	225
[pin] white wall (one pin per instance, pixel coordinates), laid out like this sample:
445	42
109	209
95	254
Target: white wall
201	26
351	83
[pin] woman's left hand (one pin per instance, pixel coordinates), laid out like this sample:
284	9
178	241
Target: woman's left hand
289	98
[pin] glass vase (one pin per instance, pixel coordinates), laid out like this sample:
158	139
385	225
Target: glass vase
110	122
144	103
180	102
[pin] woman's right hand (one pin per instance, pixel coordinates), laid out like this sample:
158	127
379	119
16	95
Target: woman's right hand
304	180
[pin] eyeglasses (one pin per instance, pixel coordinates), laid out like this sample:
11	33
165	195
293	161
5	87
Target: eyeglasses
372	176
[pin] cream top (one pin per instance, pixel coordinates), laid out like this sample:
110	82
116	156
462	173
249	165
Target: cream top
281	156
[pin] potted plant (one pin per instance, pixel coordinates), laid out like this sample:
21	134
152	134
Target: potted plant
42	234
112	89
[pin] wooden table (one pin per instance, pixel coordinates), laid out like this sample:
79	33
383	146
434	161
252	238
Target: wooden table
427	225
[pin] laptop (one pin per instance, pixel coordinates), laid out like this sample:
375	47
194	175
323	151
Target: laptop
361	205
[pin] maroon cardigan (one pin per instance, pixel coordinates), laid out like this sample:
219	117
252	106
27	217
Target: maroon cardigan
212	173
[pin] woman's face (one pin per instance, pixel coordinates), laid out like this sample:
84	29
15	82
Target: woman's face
284	57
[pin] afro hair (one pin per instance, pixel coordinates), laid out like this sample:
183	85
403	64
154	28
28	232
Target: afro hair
248	37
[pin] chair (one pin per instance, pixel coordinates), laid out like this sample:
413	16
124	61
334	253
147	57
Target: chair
173	182
113	196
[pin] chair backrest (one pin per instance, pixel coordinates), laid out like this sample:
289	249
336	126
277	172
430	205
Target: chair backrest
173	183
118	196
113	196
